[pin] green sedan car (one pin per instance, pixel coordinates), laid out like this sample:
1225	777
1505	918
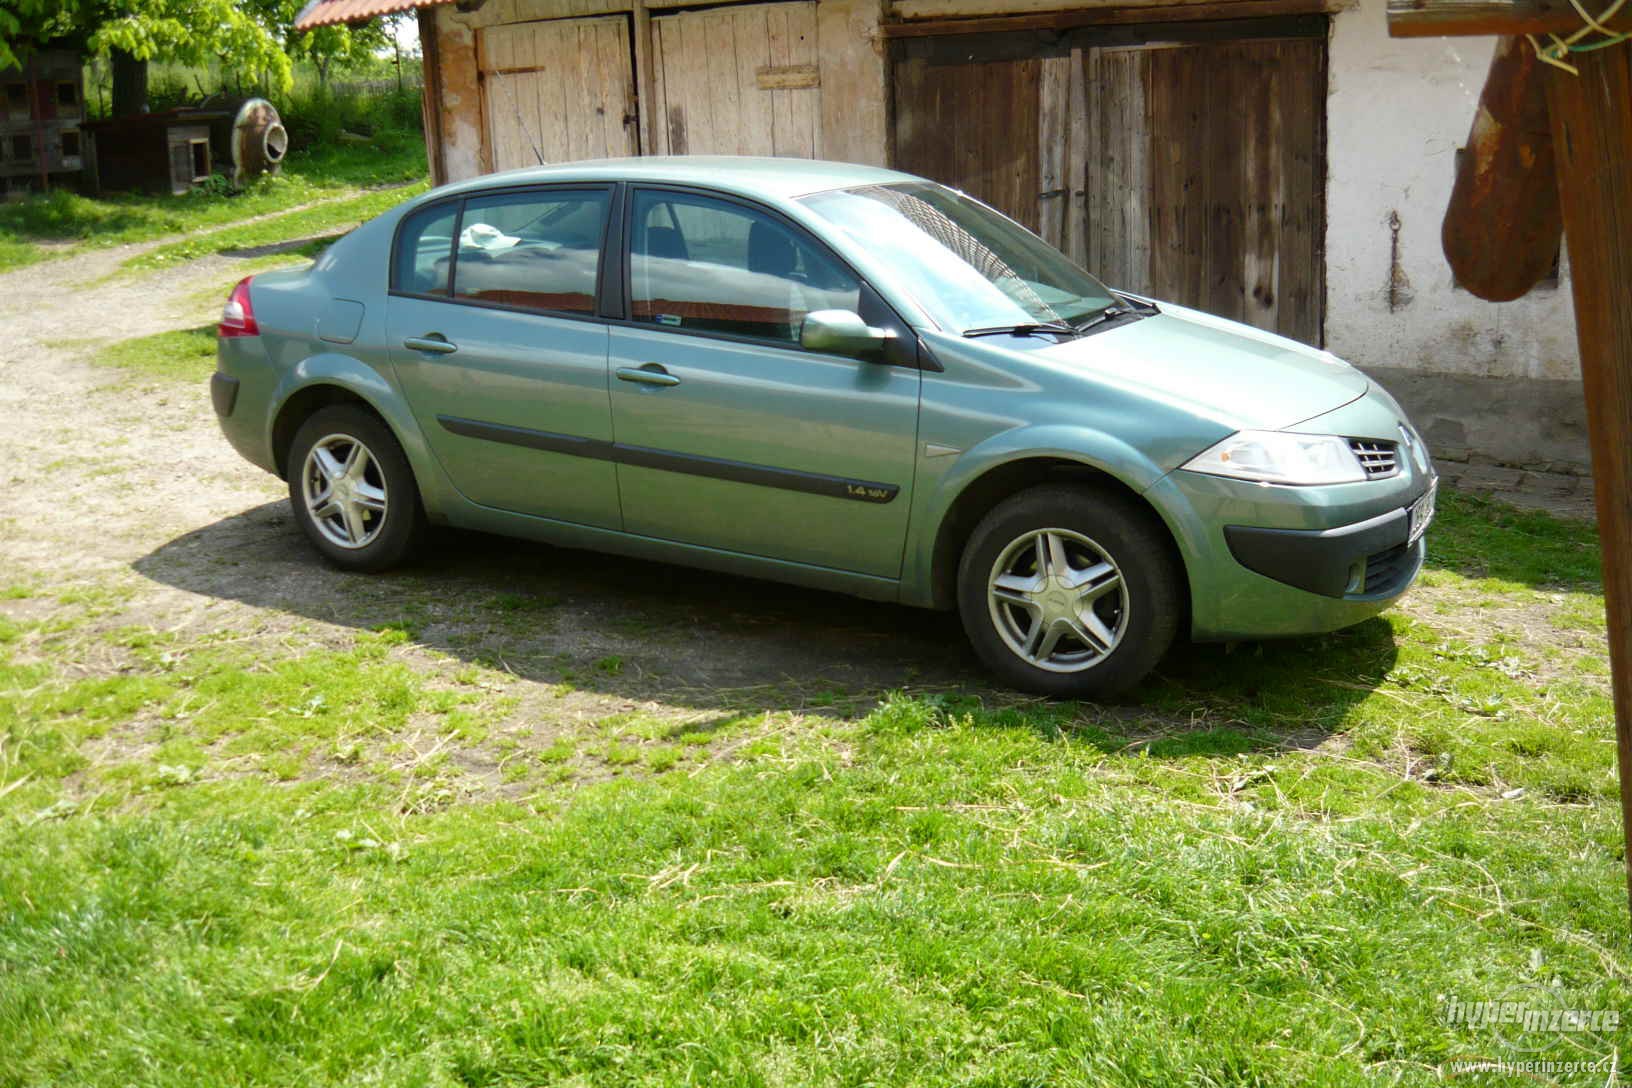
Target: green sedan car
833	375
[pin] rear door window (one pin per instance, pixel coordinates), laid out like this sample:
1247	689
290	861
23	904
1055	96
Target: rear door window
536	250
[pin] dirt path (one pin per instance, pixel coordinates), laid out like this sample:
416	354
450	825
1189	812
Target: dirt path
126	485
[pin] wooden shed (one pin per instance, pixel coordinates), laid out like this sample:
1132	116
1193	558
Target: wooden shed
41	108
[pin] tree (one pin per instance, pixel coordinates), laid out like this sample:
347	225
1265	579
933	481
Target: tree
132	32
326	47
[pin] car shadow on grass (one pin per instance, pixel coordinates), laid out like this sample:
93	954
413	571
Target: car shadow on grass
652	631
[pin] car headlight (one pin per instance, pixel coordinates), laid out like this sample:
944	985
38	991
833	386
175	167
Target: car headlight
1281	457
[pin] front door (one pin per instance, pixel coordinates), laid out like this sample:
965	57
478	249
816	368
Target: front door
729	434
499	352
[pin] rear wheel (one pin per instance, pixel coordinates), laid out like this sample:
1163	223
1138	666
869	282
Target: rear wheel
353	491
1070	591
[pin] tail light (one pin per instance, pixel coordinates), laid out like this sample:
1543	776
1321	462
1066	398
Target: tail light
238	316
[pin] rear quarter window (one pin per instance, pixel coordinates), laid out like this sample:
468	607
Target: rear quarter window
425	250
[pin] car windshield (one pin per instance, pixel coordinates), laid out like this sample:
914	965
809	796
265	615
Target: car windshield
967	266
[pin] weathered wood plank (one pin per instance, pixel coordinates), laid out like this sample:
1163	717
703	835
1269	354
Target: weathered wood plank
1076	159
645	101
1053	148
779	48
555	90
1139	11
752	45
723	73
804	107
430	100
1116	166
850	117
969	118
1170	12
1592	138
1441	18
787	77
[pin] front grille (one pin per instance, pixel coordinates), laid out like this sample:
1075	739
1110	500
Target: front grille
1386	571
1379	459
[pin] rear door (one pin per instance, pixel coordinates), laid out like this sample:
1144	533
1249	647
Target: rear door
731	435
497	344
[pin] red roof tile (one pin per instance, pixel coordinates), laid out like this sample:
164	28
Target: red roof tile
330	12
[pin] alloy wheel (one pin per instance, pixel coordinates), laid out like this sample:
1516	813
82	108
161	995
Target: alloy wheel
1058	600
345	491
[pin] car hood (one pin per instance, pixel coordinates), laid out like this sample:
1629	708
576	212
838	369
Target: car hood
1242	377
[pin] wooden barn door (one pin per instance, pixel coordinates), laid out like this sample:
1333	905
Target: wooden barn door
1191	170
967	113
737	81
558	90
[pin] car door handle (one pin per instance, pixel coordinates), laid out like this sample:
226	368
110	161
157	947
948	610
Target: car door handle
434	343
650	374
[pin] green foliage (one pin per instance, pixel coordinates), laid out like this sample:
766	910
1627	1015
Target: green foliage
183	31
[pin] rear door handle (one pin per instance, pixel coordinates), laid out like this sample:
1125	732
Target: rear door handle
434	343
650	374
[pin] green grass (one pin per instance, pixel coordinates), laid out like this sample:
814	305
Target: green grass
183	355
76	222
1272	868
322	223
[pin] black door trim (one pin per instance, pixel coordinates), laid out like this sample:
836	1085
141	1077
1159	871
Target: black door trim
690	464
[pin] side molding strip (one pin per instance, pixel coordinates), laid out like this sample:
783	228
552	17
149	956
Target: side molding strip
742	472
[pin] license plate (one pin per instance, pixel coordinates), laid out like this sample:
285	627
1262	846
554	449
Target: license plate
1422	512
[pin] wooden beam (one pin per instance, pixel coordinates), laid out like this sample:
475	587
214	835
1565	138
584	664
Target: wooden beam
1592	138
1460	18
1503	225
1067	20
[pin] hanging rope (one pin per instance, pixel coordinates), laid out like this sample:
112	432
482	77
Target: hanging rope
1558	48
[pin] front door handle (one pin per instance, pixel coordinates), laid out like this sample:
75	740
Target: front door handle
433	342
650	374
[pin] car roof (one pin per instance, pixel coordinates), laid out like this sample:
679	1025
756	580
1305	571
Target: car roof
774	178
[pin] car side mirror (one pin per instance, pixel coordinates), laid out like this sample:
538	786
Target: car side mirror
841	332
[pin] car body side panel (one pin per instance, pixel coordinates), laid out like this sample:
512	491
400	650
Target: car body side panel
981	412
564	534
836	435
515	378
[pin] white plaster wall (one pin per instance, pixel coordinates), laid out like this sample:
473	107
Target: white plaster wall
1397	111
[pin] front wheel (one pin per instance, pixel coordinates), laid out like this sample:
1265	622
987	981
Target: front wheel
1070	591
353	491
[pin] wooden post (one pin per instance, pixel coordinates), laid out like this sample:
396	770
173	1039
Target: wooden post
1592	142
1592	146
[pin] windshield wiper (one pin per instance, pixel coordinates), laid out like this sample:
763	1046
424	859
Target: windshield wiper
1022	330
1133	308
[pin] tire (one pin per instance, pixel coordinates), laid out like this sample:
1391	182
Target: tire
376	520
1105	616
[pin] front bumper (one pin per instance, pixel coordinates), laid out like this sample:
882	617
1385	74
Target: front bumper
1369	559
1266	560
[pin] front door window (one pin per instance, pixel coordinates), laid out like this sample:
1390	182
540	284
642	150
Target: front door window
713	266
